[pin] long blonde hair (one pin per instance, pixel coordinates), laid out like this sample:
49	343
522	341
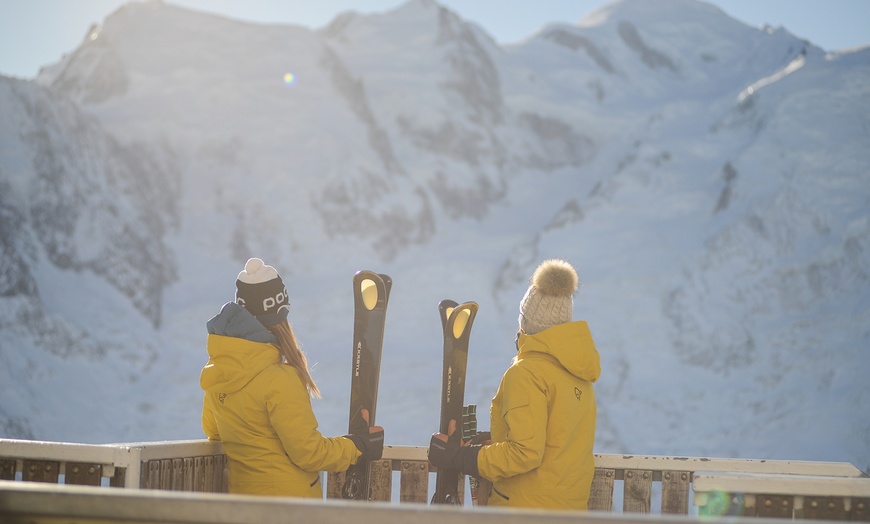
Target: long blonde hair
293	355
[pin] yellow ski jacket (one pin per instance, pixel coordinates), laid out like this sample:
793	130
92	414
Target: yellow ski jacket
261	412
543	422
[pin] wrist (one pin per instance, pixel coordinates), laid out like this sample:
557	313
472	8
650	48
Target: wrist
468	459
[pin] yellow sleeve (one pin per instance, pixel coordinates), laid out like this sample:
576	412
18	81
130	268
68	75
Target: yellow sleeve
209	425
524	411
290	414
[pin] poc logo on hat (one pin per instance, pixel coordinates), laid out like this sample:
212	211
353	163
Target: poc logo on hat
277	300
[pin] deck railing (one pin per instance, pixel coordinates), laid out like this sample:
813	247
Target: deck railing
622	483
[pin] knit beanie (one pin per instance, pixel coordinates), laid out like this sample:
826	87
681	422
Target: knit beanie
261	291
548	301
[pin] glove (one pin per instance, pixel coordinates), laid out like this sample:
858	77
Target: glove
452	455
370	445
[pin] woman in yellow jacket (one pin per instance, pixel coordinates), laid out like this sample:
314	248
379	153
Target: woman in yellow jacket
258	396
543	415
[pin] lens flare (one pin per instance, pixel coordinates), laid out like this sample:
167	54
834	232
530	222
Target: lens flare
720	503
289	79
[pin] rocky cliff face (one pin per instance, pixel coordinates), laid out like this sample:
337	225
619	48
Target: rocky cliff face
709	183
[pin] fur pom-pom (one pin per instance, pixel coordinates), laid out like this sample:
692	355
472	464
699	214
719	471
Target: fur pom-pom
555	277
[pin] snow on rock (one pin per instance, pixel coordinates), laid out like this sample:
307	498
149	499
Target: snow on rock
707	179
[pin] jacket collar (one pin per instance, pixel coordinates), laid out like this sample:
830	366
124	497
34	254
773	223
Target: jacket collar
570	344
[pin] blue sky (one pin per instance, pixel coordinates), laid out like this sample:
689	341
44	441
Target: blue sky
35	33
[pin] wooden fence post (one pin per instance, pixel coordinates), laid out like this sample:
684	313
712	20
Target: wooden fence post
774	506
638	491
381	480
334	482
83	474
7	469
601	496
41	471
414	485
675	492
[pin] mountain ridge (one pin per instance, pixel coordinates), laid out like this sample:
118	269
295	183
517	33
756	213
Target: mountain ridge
709	190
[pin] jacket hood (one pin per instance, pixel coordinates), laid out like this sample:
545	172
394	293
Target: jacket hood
570	343
236	321
239	348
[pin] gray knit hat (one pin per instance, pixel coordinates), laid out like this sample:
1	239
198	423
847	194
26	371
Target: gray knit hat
548	301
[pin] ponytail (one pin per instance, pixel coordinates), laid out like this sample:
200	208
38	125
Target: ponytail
293	355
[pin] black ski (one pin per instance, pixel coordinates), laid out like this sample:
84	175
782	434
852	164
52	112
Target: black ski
456	321
371	291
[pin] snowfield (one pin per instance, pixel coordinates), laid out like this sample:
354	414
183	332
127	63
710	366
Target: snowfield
709	180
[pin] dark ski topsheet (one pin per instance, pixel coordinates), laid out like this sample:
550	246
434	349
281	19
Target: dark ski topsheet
371	291
456	321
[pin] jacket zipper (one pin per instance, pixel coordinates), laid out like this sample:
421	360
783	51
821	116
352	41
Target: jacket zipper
500	494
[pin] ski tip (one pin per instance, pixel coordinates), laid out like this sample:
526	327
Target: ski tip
372	288
447	303
460	318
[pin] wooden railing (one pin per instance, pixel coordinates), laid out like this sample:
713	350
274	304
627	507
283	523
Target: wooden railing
627	484
180	465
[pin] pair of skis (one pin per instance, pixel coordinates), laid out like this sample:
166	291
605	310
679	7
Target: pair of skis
371	292
371	295
456	321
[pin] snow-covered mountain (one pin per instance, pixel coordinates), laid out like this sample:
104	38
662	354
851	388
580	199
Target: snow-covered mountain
709	180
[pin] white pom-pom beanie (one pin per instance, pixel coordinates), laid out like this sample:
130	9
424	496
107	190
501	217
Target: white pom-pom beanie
260	289
549	299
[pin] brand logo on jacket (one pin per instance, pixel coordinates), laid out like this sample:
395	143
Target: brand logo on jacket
221	397
577	393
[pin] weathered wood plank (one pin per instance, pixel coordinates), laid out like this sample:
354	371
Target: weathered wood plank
7	469
176	480
601	495
774	506
189	466
782	484
54	504
638	491
334	482
198	473
82	474
414	481
483	489
150	475
224	474
208	464
700	464
824	508
675	492
165	482
118	480
41	471
381	480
